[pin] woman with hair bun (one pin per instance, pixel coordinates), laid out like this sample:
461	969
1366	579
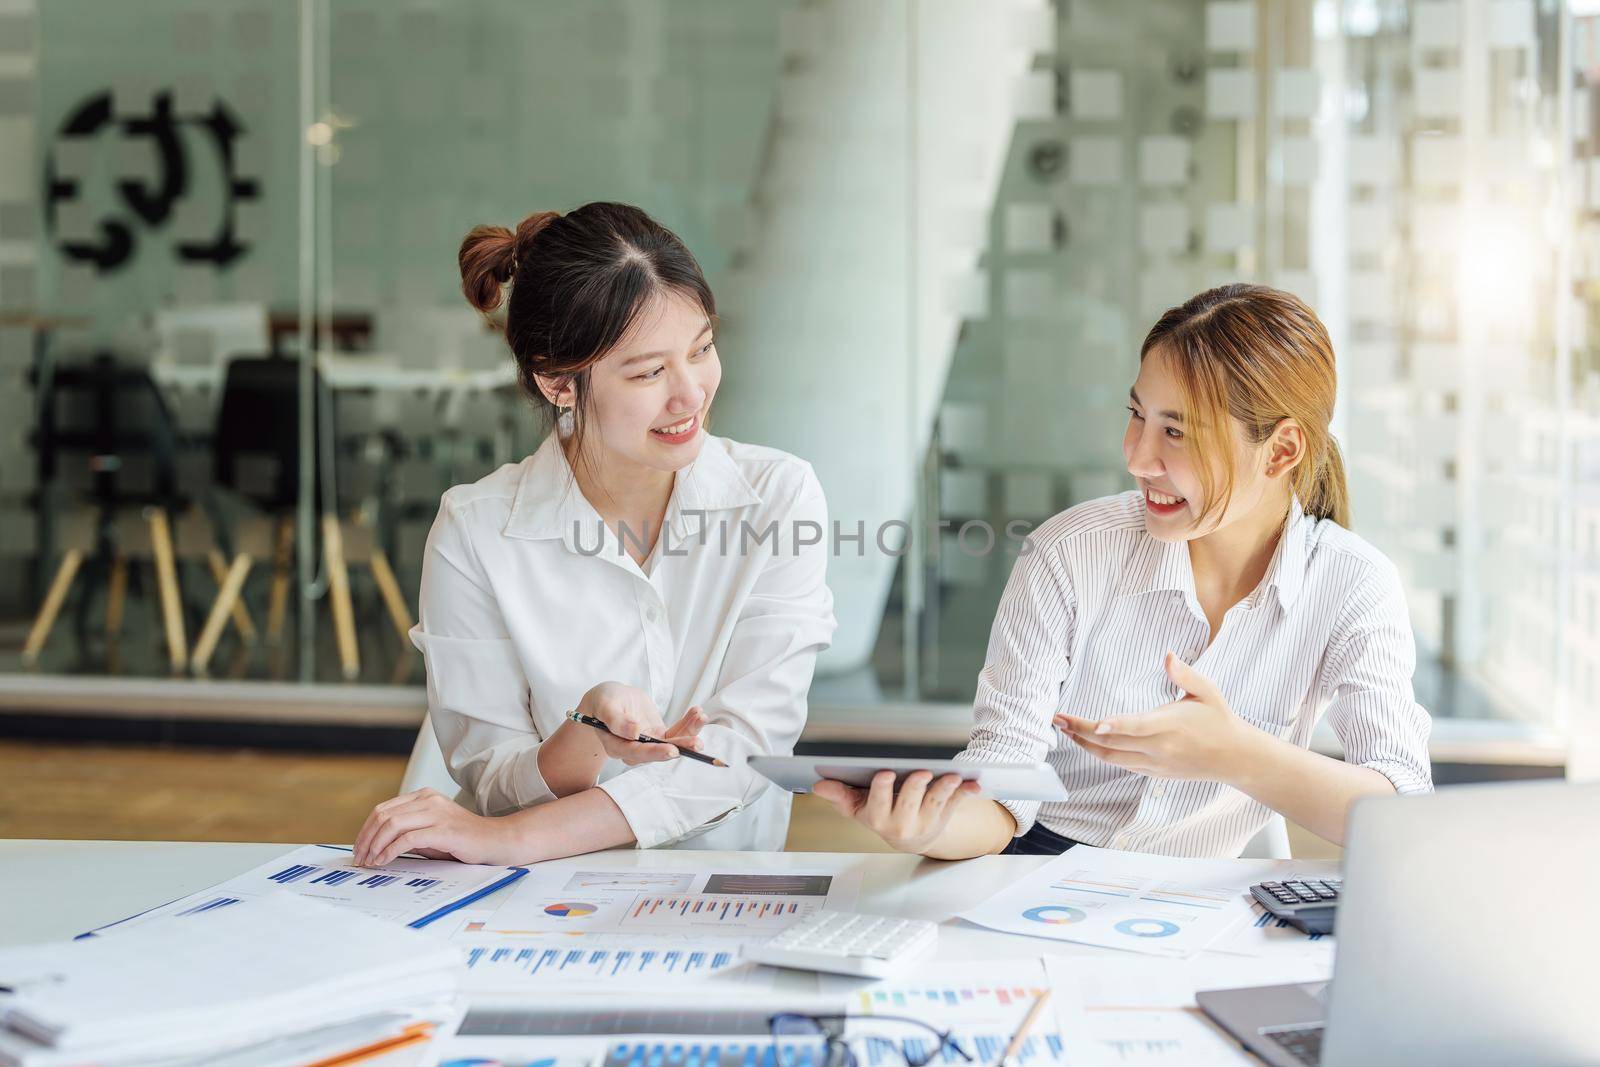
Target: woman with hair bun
1169	650
635	569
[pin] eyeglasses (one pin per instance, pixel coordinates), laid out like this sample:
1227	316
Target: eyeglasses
916	1046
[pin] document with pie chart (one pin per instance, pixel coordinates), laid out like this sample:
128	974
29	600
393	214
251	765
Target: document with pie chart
696	903
1160	905
578	924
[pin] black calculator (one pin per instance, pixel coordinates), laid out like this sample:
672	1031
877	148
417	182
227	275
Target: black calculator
1307	903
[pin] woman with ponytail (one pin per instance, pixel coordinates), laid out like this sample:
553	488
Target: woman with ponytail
634	570
1169	650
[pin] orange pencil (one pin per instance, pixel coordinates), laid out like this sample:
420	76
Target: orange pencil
414	1034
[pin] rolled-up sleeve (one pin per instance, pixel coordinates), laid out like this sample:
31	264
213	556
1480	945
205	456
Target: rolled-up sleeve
477	690
1029	658
759	703
1369	670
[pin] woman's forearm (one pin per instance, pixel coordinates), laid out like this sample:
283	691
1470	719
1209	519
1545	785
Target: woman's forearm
978	827
1314	790
587	821
571	759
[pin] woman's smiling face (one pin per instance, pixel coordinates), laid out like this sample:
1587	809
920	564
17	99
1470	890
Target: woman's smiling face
650	395
1159	459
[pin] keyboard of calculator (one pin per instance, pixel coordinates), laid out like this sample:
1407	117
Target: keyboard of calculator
1304	891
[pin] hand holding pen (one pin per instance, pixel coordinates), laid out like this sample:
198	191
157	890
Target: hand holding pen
679	744
630	728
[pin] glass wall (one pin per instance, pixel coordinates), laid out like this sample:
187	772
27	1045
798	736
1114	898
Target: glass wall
1417	171
150	206
502	109
241	373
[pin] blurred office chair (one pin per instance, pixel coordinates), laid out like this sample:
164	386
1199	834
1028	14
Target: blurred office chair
124	430
426	766
257	454
1272	843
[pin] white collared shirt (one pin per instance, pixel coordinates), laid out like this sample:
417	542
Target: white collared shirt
1093	605
528	601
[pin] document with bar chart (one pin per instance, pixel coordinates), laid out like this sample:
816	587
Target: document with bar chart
607	963
986	993
1262	935
981	1004
567	925
560	900
412	892
1159	905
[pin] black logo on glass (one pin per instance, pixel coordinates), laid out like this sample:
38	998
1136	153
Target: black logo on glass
151	203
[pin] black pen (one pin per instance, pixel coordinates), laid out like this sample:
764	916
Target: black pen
590	720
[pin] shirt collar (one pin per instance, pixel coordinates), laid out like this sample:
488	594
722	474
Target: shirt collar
713	481
1287	572
548	503
1165	564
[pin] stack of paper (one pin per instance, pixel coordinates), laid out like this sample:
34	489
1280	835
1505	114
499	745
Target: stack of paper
241	980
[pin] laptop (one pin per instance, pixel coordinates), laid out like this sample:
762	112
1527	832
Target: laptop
1468	934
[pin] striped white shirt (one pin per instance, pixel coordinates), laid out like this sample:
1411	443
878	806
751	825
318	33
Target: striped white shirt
1094	603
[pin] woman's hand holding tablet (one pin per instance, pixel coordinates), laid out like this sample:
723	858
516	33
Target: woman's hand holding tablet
911	803
909	819
1004	781
1197	737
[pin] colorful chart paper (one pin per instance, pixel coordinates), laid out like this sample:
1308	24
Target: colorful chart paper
565	910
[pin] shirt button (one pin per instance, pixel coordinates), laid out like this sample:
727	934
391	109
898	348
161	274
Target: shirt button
1121	841
652	614
1159	791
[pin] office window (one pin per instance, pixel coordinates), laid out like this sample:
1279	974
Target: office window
937	231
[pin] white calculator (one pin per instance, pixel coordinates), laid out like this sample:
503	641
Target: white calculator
844	942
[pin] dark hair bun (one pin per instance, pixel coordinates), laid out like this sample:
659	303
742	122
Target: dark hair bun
489	257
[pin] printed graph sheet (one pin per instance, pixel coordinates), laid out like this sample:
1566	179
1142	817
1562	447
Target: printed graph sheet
405	891
733	904
1159	905
565	927
981	1004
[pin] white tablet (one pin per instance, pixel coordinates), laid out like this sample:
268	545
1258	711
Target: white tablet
1002	781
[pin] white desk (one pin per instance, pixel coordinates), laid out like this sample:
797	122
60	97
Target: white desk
55	889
